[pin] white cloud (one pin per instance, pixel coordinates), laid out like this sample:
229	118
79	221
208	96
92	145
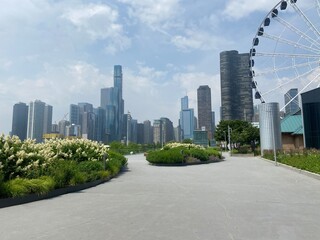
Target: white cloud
155	14
199	40
237	9
99	22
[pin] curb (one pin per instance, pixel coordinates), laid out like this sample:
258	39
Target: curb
8	202
297	170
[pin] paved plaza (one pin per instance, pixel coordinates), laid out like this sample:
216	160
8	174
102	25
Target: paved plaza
239	198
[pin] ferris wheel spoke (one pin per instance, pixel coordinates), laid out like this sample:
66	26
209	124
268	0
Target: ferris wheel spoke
306	20
298	32
273	70
290	81
291	43
288	55
304	88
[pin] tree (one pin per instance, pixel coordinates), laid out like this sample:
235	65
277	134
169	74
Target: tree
242	133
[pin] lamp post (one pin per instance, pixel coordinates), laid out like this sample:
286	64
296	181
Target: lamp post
273	141
229	136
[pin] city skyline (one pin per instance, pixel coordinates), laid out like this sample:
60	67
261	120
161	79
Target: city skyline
63	52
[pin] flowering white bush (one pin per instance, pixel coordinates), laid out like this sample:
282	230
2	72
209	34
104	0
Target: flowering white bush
185	145
25	158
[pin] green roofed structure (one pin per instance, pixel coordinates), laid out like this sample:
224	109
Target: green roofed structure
292	132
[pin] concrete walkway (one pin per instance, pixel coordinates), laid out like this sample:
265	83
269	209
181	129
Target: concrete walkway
240	198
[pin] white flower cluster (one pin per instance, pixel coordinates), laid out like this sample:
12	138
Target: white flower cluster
185	145
17	157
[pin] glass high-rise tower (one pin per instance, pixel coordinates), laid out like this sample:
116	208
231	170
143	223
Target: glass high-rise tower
236	86
291	101
20	120
112	102
186	119
39	120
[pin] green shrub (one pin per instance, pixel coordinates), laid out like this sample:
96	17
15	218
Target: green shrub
244	149
90	166
63	172
200	154
20	186
214	152
171	156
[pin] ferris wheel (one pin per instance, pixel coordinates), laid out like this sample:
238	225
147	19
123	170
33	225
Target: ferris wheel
285	52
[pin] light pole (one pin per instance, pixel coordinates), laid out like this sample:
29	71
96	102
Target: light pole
229	136
128	120
273	140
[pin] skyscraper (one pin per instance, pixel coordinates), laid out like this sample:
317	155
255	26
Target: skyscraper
111	100
147	132
186	119
39	116
87	120
205	109
74	115
293	106
100	125
20	120
157	132
236	86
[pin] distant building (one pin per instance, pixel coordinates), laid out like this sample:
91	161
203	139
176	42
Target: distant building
111	100
186	119
100	124
177	134
311	118
205	109
201	137
39	116
74	114
291	100
63	127
236	86
140	133
168	132
157	132
20	120
87	120
147	132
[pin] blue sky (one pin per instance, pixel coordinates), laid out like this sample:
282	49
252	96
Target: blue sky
63	51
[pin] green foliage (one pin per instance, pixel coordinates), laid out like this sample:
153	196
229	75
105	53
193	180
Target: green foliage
20	186
244	149
177	153
27	167
63	173
214	152
308	160
170	156
242	132
188	140
200	154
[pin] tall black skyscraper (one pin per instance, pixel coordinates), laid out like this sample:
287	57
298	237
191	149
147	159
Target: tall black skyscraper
20	120
236	86
205	109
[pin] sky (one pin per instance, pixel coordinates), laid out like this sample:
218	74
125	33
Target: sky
63	52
